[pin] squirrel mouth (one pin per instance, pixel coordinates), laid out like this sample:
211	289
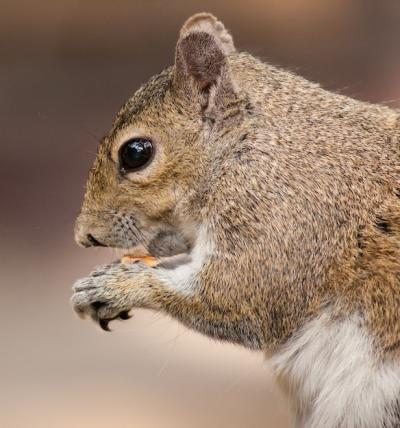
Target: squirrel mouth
167	262
166	249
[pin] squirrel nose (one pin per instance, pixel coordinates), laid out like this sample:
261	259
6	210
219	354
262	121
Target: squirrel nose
85	237
91	241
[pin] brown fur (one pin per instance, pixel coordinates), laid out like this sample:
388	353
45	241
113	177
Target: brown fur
299	188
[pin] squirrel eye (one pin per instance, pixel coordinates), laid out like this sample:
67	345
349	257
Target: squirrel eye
135	153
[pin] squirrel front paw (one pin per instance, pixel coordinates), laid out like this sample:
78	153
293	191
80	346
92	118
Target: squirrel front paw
106	294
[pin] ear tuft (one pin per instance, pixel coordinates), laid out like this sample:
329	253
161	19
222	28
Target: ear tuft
207	23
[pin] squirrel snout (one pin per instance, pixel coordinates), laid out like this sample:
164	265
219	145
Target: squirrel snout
85	237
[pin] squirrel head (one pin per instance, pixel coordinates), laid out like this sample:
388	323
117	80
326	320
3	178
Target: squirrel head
153	161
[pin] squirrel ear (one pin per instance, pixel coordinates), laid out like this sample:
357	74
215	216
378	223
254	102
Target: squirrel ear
201	54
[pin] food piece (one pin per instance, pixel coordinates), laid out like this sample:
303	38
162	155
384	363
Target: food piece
147	260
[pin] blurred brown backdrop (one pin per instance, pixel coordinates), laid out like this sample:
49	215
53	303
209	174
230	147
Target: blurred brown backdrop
65	68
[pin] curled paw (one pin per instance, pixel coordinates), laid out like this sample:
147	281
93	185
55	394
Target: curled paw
102	296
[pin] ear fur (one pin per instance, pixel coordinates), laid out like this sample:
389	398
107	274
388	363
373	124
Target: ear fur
207	23
201	65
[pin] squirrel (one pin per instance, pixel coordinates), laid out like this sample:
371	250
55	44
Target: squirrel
273	207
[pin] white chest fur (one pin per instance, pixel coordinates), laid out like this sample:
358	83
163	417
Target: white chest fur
335	379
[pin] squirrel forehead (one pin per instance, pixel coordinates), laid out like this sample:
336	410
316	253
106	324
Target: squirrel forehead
151	93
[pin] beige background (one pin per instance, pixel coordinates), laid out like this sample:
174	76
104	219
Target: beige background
65	68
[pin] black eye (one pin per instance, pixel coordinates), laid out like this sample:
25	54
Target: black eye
135	153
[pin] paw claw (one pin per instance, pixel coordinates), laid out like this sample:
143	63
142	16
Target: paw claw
103	323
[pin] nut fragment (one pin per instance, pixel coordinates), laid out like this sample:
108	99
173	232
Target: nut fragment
147	260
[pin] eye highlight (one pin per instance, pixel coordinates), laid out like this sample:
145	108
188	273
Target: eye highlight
135	154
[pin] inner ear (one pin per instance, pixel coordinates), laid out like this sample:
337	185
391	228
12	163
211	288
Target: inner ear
201	59
202	72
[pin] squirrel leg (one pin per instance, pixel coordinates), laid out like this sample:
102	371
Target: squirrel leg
111	291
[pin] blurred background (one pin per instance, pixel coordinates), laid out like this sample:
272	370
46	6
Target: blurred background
65	68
